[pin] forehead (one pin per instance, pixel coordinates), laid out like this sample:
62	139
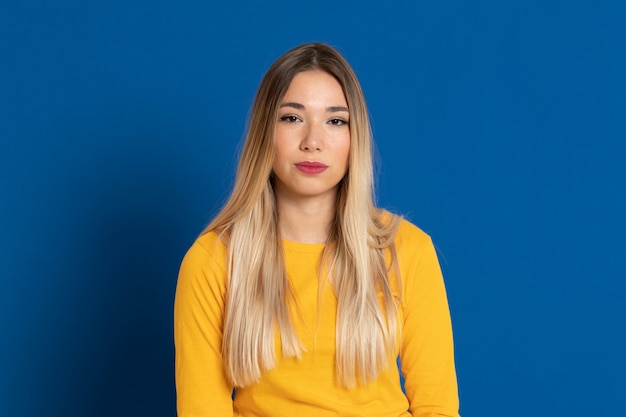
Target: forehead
315	85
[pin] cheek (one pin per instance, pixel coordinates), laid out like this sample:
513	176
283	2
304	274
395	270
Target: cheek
281	155
278	145
345	150
276	161
282	138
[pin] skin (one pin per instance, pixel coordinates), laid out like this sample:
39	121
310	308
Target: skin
313	126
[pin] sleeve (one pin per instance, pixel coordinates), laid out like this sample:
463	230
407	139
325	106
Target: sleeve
202	390
427	352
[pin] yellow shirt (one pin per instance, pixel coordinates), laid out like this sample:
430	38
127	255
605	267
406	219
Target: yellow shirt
308	386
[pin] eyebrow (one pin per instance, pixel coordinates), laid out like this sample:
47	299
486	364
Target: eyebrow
298	106
334	109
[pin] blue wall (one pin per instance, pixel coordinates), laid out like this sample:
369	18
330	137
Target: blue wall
500	128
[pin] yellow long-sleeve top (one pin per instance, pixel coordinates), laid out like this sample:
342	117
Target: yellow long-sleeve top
308	386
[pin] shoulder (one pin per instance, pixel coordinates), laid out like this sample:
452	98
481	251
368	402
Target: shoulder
201	286
212	243
207	255
418	264
403	232
413	246
410	235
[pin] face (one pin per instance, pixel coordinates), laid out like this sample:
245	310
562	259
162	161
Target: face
312	137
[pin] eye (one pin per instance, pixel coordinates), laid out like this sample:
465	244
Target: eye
337	122
290	118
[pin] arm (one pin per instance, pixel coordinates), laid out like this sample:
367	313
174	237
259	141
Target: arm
202	389
427	352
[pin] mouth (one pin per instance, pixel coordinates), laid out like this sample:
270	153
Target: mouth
309	167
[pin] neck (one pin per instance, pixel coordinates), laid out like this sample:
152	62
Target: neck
306	220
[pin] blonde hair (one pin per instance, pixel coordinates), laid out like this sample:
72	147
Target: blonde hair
258	293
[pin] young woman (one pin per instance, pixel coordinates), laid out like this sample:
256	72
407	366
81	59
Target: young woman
300	294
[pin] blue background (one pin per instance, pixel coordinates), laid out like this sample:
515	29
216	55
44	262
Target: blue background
500	128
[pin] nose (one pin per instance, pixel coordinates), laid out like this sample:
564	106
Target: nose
312	140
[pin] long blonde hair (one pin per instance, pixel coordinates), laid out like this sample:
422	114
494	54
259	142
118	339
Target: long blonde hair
258	293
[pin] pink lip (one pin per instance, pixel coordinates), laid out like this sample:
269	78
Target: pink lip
309	167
